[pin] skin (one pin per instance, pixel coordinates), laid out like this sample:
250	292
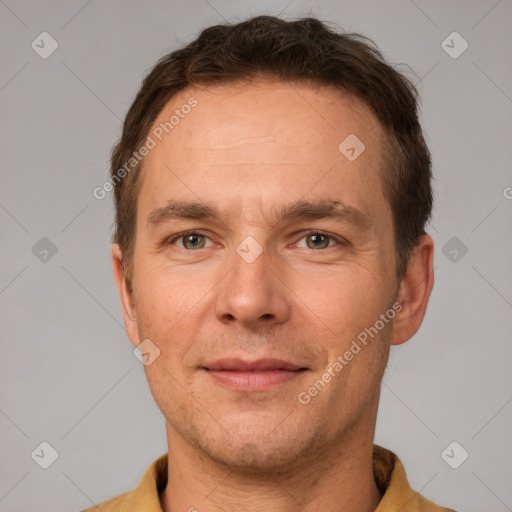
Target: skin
247	150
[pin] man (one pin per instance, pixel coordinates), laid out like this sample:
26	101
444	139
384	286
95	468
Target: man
272	186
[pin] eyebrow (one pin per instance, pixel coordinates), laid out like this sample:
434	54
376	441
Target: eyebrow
299	210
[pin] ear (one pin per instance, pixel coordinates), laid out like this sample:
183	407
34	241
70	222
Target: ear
414	293
124	289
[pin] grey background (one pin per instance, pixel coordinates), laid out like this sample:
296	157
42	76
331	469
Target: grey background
68	375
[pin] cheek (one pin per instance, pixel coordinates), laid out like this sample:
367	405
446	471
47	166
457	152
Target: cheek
173	301
172	308
343	300
166	297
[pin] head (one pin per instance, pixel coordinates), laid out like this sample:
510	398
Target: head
291	161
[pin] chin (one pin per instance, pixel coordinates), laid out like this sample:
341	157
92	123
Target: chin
254	458
260	446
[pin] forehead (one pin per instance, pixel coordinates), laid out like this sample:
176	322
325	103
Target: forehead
275	115
246	140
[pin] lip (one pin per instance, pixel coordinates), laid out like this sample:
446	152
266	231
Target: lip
241	365
258	375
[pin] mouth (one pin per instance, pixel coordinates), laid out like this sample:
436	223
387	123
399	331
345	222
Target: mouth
259	375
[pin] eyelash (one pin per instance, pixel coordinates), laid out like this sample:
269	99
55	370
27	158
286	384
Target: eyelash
339	240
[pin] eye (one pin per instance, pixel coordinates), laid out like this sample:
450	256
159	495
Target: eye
320	240
194	240
190	240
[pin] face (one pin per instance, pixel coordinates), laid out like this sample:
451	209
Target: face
262	254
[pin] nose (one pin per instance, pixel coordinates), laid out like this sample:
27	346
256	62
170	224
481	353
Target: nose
252	294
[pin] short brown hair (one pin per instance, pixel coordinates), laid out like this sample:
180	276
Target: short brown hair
302	51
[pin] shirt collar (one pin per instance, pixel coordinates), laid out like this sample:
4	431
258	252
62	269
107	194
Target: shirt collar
389	473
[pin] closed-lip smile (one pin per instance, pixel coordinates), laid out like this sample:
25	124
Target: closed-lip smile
257	375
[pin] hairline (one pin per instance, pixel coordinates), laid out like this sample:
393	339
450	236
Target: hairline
388	144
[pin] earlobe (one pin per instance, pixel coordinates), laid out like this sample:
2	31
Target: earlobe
414	293
125	292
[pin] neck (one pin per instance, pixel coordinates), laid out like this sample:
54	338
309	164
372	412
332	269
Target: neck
339	479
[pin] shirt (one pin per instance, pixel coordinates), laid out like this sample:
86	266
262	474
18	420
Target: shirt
390	477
